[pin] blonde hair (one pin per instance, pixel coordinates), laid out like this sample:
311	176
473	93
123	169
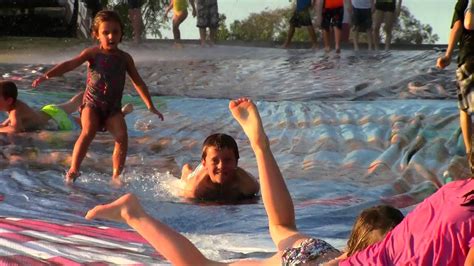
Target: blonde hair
371	225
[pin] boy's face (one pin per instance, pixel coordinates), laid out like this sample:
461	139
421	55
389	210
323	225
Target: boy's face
220	164
5	104
109	35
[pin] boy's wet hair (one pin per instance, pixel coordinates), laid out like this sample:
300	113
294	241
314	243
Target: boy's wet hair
8	89
220	141
105	16
371	224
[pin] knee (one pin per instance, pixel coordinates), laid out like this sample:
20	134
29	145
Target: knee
88	134
121	138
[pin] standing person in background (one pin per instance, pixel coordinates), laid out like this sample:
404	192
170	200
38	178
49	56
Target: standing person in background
332	15
207	17
135	16
362	21
180	13
462	28
302	17
387	12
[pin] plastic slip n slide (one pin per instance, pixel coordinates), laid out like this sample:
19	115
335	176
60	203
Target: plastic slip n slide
36	242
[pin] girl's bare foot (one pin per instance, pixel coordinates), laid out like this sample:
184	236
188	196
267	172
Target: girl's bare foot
121	210
246	113
71	176
116	182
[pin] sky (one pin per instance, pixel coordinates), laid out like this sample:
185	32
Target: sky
437	13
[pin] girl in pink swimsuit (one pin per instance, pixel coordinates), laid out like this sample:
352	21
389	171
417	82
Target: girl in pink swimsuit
107	68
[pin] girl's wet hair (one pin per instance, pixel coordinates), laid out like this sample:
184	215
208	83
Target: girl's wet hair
105	16
220	141
8	89
371	224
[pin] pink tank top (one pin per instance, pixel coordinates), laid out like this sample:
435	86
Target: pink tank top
439	231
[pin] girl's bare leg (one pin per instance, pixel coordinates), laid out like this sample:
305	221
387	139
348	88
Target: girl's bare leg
90	125
276	198
171	244
117	127
177	20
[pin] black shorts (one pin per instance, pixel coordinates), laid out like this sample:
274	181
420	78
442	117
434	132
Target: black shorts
332	17
301	18
132	4
385	7
362	19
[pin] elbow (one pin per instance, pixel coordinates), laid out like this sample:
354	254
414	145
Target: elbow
468	25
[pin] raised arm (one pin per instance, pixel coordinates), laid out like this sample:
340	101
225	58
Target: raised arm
454	36
140	86
276	198
64	67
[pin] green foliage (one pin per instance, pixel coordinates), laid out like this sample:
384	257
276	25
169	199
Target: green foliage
223	32
272	25
409	30
269	25
152	11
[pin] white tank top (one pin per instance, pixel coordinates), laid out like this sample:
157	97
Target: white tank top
362	4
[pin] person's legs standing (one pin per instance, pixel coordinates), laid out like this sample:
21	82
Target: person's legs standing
202	20
90	125
135	16
389	20
177	20
291	32
213	20
377	22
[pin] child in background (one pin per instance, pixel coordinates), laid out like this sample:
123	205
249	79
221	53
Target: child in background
101	104
301	17
180	13
22	117
387	12
332	16
362	21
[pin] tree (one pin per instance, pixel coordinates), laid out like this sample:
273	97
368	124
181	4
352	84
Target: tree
272	25
409	30
152	11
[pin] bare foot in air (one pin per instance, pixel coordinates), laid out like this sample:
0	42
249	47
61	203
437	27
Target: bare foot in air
121	210
246	113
